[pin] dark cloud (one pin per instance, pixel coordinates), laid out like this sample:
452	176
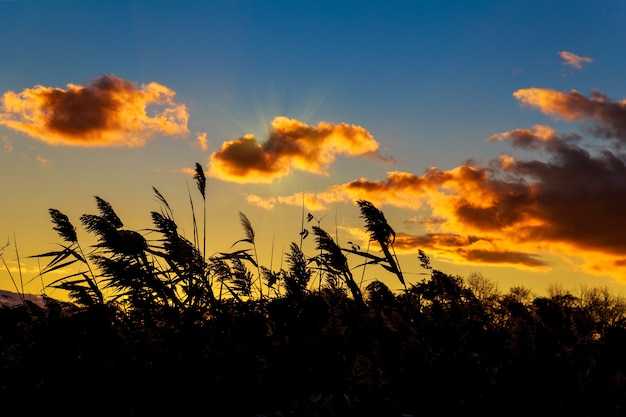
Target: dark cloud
572	200
109	111
504	257
602	116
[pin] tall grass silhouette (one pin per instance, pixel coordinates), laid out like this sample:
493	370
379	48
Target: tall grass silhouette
171	330
140	270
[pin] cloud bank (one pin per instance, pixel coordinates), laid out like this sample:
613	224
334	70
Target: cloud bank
110	111
570	199
292	144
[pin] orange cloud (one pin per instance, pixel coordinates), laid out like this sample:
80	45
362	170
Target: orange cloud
607	118
108	112
310	201
525	138
202	140
512	211
266	203
291	145
190	172
573	59
461	248
467	248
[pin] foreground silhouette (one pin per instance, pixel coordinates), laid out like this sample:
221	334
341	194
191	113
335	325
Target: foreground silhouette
436	346
156	327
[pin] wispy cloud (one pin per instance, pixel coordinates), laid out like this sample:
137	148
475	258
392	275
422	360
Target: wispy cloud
202	140
292	144
311	201
110	111
7	144
574	60
468	249
266	203
604	117
43	161
187	171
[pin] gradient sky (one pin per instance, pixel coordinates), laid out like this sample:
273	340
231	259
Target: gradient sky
490	133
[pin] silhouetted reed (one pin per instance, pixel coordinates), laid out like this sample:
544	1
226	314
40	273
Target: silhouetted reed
172	331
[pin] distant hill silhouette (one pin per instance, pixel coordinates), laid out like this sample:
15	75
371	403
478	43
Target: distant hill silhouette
12	299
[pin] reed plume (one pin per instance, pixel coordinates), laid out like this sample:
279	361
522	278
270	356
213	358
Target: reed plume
247	228
63	226
334	262
81	286
380	231
298	276
201	184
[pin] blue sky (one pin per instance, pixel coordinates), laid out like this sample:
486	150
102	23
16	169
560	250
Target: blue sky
429	82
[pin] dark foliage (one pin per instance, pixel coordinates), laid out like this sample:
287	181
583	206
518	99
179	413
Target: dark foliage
164	343
428	348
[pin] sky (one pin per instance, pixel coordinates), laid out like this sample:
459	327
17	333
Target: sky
490	133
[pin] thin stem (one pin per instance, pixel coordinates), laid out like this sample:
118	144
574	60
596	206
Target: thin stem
19	265
369	242
204	226
302	225
12	278
258	269
97	290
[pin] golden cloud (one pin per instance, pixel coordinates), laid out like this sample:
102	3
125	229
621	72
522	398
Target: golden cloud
310	201
187	171
469	249
108	112
202	141
607	118
292	144
512	211
525	138
574	60
266	203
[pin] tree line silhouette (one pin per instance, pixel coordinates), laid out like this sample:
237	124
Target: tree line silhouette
155	326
